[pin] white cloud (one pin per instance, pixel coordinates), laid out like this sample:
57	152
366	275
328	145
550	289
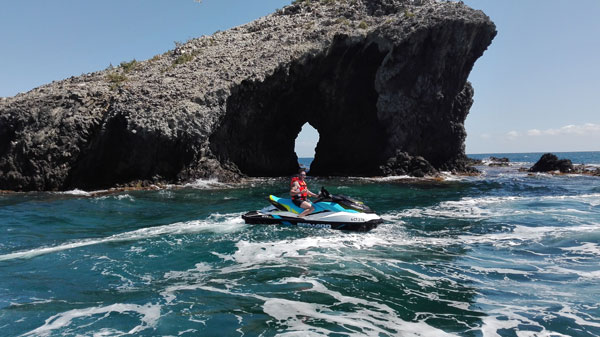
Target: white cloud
581	137
581	130
512	135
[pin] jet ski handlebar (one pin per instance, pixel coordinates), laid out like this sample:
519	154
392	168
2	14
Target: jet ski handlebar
324	194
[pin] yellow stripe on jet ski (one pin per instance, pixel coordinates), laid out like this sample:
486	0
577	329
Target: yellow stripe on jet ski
284	205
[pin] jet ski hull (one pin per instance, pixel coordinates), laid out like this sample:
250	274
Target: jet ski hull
331	212
359	224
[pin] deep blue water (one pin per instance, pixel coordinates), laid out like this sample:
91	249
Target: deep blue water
530	158
501	254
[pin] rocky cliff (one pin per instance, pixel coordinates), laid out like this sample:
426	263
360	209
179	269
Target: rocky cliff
376	78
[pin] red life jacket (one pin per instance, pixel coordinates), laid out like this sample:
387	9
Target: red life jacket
303	188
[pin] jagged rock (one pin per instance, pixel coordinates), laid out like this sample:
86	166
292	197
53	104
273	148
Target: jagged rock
550	162
372	76
473	161
499	159
495	161
404	164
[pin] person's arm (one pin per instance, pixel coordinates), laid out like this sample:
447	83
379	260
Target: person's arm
295	189
311	193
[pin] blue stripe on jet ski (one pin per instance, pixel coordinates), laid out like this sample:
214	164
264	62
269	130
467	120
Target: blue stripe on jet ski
319	207
332	206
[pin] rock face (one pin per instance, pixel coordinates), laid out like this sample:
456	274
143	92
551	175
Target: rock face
550	162
374	77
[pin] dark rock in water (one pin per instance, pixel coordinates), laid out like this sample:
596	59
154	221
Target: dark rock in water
374	77
588	170
495	161
499	160
404	164
550	162
473	161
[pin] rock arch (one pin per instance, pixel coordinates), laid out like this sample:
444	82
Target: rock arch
334	92
383	82
369	100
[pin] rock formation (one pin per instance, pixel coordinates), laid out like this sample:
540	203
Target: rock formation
404	164
374	77
495	161
550	162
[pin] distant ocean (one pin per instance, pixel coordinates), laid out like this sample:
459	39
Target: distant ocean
589	157
505	253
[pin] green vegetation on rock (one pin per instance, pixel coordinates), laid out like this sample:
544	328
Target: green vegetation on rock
116	80
184	58
129	66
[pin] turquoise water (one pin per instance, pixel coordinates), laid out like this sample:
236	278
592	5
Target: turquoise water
501	254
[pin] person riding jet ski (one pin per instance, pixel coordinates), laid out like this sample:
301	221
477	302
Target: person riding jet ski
330	211
300	192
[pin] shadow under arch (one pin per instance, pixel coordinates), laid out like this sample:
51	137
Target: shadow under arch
332	91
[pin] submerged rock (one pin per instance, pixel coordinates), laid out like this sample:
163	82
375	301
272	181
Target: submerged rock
374	77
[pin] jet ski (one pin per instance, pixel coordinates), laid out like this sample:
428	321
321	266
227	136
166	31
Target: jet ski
331	212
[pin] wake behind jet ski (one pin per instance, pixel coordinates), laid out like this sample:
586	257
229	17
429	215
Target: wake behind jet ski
332	212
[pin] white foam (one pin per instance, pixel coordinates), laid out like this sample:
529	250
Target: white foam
370	318
444	176
512	316
253	253
449	176
215	223
191	274
488	207
167	194
467	208
125	196
509	165
205	184
76	192
117	196
501	271
570	313
521	234
591	275
587	248
150	314
384	179
35	300
592	199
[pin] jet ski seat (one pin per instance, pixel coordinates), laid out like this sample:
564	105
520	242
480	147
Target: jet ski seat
285	204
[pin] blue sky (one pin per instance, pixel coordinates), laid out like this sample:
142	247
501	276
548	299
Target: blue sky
536	88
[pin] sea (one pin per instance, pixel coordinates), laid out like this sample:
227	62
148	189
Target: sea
504	253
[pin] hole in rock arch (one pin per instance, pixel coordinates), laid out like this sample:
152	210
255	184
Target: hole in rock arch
306	143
